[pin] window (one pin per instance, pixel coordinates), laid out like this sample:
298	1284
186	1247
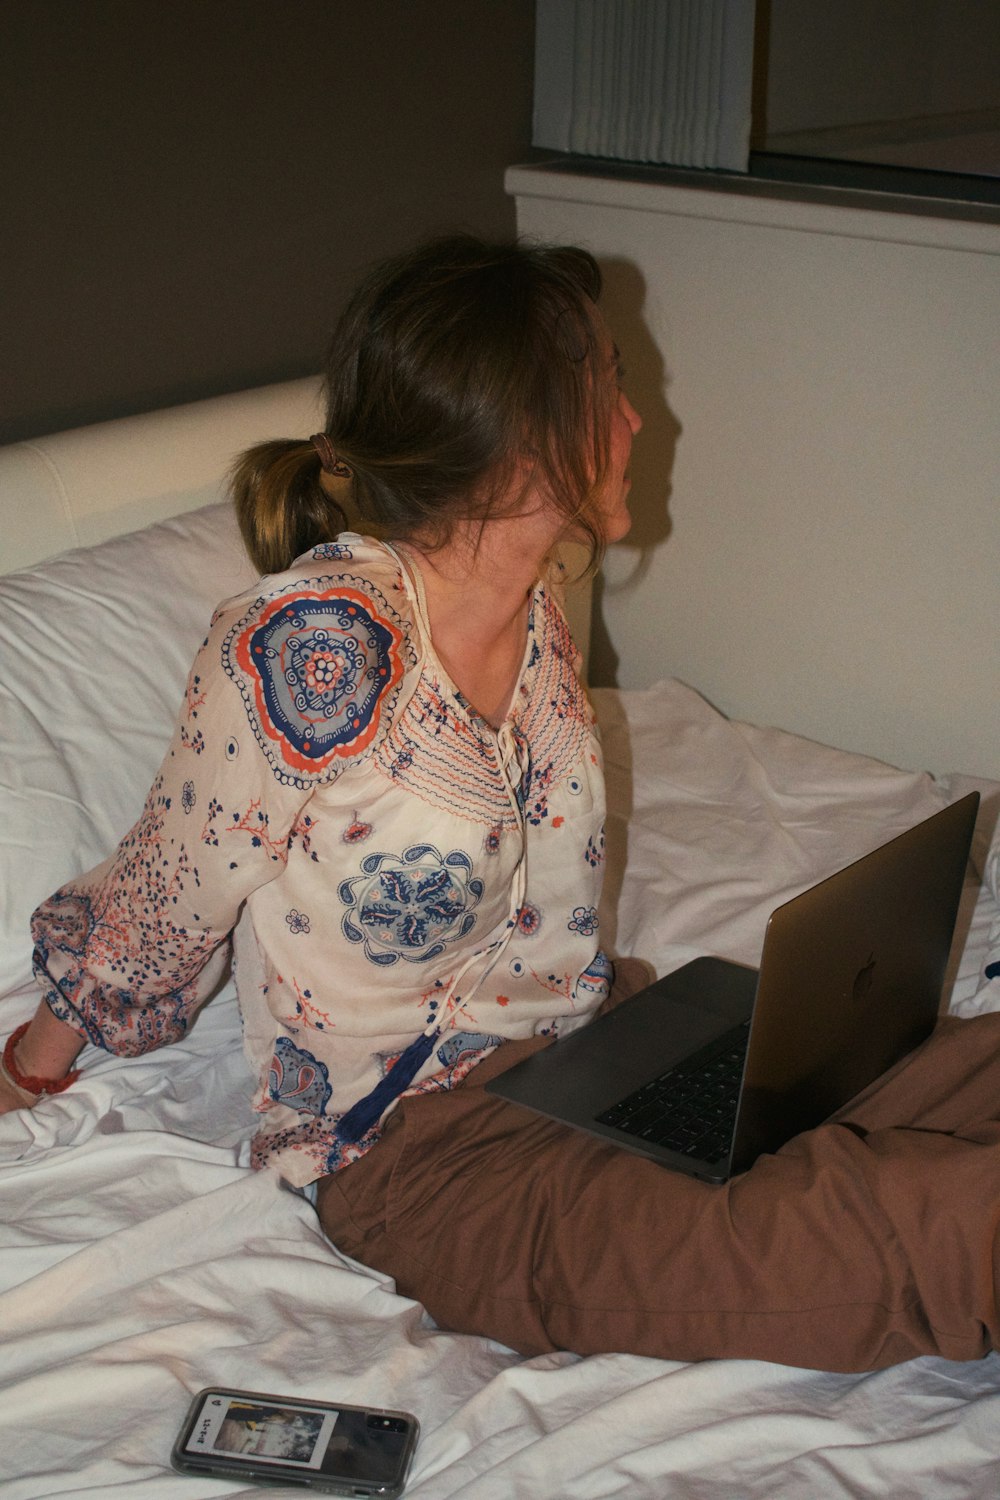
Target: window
892	96
895	83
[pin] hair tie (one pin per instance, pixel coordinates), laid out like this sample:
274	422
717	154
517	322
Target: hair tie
328	457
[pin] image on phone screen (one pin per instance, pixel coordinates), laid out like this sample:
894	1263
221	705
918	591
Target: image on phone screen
267	1438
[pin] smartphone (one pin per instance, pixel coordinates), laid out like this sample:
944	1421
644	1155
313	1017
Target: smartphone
341	1450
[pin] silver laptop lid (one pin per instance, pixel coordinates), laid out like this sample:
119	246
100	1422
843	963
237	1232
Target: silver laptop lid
850	980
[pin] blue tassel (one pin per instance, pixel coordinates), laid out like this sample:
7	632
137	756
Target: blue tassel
362	1116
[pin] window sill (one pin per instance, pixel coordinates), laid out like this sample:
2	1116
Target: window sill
794	193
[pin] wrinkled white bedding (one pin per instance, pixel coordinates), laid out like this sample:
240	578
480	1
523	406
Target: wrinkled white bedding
140	1259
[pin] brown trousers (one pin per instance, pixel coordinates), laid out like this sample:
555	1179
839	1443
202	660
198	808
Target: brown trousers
860	1244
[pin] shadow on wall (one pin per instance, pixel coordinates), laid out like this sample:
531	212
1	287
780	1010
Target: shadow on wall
652	457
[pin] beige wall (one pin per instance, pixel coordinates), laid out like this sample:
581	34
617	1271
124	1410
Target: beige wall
817	486
190	186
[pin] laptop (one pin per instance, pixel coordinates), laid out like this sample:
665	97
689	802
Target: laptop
714	1064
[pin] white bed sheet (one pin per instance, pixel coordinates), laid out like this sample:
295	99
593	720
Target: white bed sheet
141	1262
140	1259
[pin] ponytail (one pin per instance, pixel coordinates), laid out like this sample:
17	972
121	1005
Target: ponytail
282	504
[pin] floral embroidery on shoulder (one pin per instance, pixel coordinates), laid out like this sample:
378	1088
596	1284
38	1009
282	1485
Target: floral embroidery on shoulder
302	835
318	665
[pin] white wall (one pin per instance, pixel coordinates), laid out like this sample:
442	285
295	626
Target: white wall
817	489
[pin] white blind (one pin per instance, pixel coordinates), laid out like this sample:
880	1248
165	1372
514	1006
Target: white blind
666	81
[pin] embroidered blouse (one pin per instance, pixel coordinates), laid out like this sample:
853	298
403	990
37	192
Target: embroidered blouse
398	869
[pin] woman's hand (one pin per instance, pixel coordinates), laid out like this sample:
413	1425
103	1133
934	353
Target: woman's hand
11	1097
46	1051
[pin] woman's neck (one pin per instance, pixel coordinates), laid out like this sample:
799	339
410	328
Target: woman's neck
478	593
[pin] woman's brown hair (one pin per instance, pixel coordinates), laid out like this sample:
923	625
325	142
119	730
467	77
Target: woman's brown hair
458	374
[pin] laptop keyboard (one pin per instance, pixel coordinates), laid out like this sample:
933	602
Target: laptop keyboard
692	1107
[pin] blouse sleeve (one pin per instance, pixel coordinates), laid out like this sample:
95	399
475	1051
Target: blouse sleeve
285	692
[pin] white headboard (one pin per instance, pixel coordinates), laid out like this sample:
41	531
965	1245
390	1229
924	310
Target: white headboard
78	488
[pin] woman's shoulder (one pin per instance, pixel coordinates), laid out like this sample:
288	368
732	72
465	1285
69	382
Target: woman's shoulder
318	654
349	563
553	636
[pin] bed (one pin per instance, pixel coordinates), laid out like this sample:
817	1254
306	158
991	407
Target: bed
141	1259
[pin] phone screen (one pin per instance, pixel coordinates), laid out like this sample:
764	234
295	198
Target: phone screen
243	1431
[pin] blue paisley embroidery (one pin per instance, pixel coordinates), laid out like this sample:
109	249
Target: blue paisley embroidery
410	907
297	1078
596	978
463	1046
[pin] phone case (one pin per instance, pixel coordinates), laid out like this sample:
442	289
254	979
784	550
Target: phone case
330	1447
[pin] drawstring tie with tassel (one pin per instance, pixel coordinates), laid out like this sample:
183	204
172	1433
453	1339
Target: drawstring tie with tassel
360	1118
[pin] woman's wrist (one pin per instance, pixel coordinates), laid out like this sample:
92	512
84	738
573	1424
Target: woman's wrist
30	1084
17	1097
38	1057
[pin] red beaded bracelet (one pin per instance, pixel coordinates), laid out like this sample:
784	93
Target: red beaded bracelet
25	1080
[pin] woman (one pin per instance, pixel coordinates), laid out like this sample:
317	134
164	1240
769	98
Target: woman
381	741
386	757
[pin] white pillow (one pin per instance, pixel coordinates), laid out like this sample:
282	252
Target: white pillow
96	647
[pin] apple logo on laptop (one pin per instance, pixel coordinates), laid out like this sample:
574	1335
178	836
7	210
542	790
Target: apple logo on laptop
864	979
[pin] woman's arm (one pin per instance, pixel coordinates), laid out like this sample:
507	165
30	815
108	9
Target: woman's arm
47	1050
125	955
